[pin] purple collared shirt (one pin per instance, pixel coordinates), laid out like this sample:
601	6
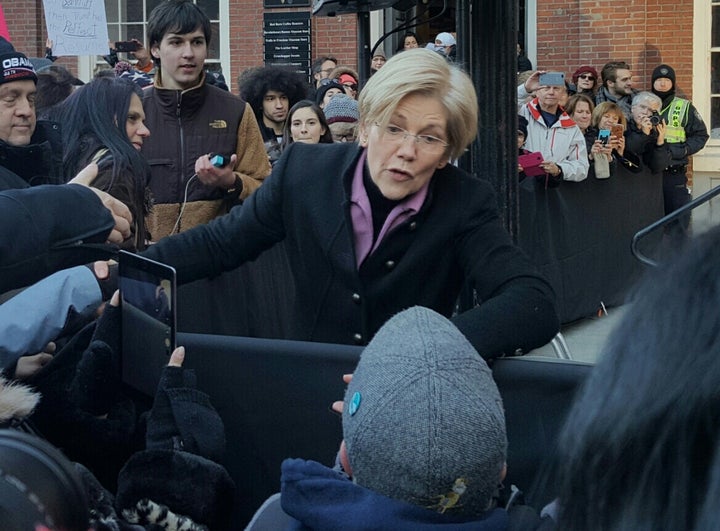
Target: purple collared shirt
361	214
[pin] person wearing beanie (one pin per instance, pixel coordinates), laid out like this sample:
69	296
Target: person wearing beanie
30	151
424	442
326	90
686	134
343	115
585	80
378	60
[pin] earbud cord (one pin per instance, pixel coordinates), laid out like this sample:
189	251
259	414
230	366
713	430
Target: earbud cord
184	203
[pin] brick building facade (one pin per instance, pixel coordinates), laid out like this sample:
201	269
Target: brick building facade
644	33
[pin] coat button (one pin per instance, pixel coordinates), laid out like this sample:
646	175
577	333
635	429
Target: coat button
358	338
413	225
390	264
356	298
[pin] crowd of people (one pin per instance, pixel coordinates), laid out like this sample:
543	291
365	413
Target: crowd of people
590	125
381	232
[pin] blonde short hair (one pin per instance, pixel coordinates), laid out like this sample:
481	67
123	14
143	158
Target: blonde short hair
607	107
423	72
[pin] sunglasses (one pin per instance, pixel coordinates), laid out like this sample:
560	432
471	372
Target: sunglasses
352	86
586	76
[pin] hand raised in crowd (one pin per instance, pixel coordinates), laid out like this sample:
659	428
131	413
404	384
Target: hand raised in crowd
533	82
599	148
662	131
177	357
618	144
213	176
142	54
120	213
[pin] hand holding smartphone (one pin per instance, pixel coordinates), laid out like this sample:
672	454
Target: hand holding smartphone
556	79
149	299
604	136
617	130
126	46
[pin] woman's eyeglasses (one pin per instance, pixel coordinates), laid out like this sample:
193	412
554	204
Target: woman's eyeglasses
586	76
393	133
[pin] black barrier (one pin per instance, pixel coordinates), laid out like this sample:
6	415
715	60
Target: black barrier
579	235
274	398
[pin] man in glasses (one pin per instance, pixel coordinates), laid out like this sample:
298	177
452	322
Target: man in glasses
617	86
552	132
321	69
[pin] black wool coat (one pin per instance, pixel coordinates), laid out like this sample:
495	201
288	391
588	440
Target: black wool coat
456	237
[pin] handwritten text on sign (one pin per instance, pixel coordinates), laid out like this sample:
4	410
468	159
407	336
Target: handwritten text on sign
77	27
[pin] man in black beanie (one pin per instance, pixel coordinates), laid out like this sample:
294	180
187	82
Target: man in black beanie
686	135
30	153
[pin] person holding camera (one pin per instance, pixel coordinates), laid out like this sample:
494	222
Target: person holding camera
686	134
646	132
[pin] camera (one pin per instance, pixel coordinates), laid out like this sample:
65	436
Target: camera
126	46
655	118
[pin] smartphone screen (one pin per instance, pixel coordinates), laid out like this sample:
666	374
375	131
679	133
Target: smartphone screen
148	294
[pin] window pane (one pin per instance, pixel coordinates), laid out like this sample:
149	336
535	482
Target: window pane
114	33
111	10
151	4
715	117
715	72
133	11
134	31
214	49
210	7
715	26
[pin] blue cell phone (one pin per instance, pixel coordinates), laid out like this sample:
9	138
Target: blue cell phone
604	136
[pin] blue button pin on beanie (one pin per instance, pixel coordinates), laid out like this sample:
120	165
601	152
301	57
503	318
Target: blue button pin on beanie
354	403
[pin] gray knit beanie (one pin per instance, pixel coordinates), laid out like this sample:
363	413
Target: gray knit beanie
423	420
342	108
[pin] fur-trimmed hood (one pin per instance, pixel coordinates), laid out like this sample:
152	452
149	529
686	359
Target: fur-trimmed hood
17	400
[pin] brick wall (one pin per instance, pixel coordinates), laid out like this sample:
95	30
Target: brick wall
644	33
26	25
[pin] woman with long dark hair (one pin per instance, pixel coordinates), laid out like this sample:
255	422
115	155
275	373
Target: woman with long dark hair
103	122
306	123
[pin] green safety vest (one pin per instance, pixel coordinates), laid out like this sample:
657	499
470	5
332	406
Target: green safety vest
676	117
